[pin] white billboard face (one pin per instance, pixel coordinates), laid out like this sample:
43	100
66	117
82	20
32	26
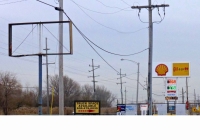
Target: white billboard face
131	109
180	109
170	69
162	109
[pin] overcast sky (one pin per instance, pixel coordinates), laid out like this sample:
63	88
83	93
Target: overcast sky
113	26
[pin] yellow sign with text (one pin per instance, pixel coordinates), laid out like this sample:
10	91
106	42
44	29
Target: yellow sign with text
181	69
87	107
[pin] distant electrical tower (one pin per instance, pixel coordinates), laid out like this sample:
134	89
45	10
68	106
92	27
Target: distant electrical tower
121	84
93	68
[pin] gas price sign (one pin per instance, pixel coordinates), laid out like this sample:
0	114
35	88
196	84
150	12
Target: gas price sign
171	87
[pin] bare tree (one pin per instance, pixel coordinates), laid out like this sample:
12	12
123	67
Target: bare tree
71	90
101	93
10	88
105	96
87	92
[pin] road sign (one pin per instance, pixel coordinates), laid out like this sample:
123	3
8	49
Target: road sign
87	107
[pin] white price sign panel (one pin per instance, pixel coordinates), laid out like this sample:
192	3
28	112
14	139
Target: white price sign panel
171	87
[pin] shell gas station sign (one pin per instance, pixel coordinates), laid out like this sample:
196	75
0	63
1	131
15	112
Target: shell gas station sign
171	69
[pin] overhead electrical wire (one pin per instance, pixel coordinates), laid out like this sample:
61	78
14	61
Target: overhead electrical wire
125	3
115	53
107	26
100	12
158	22
13	2
85	38
111	6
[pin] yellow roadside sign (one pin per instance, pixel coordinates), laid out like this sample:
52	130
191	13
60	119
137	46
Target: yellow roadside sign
181	69
87	107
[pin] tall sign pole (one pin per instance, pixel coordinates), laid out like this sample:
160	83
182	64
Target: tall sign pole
61	85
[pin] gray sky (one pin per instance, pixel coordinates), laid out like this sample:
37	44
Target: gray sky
113	26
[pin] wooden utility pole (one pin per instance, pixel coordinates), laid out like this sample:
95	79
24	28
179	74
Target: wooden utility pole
121	84
94	76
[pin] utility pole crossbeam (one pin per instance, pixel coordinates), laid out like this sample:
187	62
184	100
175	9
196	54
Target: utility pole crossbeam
150	7
121	84
93	75
46	49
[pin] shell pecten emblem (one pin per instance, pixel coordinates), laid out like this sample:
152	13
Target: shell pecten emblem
161	69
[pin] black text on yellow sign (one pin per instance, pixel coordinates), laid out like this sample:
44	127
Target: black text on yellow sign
87	107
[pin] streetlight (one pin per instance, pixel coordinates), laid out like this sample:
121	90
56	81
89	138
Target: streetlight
137	78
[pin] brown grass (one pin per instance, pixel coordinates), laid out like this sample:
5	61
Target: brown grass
55	111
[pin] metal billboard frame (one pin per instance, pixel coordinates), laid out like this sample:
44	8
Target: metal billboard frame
10	25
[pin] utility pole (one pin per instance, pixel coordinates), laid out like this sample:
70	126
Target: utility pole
40	74
194	96
182	96
125	95
187	89
121	84
61	84
137	83
94	76
47	76
147	89
187	102
150	8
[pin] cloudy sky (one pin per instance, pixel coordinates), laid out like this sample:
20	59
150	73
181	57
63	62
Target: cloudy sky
111	25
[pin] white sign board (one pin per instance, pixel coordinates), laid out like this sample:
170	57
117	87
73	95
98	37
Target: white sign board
143	109
162	109
171	93
180	109
131	109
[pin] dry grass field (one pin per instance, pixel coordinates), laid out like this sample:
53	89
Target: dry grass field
55	111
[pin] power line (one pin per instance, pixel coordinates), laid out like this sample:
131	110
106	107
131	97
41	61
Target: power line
107	26
111	6
12	2
100	12
115	53
126	3
57	8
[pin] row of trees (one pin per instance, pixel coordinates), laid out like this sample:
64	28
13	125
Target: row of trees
13	95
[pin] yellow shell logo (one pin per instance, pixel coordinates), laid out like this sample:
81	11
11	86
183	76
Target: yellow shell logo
161	69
